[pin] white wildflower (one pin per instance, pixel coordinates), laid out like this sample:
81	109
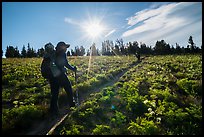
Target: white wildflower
151	113
150	109
158	119
145	102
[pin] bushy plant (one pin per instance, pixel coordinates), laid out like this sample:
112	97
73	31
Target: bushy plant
101	130
143	127
74	130
21	117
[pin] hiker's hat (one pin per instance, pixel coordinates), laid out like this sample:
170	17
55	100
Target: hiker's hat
62	44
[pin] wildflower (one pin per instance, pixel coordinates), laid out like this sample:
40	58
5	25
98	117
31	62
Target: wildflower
145	102
158	119
150	109
151	113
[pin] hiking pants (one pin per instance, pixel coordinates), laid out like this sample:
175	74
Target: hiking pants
55	84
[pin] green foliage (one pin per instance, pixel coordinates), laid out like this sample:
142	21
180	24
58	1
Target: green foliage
161	95
20	117
118	120
101	130
177	121
191	87
143	127
108	93
74	130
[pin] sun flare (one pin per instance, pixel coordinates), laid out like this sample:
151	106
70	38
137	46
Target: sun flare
94	29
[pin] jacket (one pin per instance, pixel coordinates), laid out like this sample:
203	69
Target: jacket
62	62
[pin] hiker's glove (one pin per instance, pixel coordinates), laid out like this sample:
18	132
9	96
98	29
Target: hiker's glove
75	68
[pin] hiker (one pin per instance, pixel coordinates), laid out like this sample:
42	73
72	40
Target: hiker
138	56
49	51
61	80
47	66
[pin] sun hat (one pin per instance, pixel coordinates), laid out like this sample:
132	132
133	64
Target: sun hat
61	44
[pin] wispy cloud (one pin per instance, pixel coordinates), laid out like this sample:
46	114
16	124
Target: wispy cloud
163	21
158	4
71	21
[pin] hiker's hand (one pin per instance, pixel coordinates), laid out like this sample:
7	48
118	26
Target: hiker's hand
75	68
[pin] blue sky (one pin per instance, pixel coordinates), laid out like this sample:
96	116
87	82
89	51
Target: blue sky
38	23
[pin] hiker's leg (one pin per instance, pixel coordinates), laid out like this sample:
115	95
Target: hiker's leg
54	96
66	84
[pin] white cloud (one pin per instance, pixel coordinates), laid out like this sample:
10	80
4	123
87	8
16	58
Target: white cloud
164	21
150	14
158	4
71	21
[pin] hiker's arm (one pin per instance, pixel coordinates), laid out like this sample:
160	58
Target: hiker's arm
67	64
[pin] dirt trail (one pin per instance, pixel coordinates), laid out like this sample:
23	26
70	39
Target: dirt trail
47	126
43	127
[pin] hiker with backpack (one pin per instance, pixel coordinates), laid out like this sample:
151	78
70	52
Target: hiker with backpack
57	75
137	56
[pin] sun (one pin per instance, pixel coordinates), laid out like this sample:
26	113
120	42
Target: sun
94	29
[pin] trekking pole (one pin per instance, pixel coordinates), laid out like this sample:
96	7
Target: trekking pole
77	93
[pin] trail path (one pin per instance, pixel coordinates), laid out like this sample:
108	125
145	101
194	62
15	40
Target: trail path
47	126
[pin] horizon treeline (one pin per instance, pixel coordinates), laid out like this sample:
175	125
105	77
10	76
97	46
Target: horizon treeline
108	48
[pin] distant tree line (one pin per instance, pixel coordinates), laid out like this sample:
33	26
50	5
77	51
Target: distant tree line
78	51
12	52
160	48
109	48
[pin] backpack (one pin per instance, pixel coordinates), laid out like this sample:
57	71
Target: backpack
46	69
49	69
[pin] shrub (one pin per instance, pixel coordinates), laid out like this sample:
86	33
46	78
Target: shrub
143	127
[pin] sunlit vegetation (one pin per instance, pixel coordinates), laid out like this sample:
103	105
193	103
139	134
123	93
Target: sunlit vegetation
162	95
24	87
